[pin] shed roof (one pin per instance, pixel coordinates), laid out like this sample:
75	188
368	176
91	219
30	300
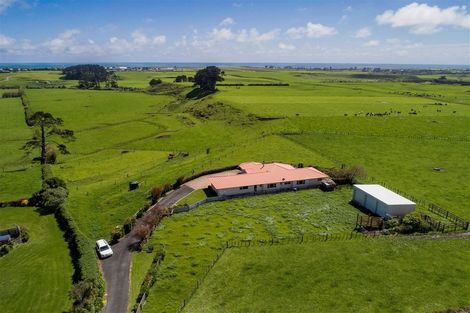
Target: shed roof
259	174
383	194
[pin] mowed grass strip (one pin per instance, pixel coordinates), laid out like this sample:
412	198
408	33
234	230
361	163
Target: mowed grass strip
35	276
383	275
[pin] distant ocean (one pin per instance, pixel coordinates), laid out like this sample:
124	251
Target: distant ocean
259	65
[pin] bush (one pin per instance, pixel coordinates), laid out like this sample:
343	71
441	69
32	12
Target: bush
55	182
128	225
50	199
179	181
5	248
86	296
154	82
116	234
155	193
24	233
51	155
346	175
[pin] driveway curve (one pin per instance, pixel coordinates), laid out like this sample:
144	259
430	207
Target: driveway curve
116	268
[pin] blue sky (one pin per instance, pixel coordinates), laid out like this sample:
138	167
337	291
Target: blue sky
430	32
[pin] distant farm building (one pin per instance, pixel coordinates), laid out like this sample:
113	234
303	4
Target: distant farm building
259	178
382	201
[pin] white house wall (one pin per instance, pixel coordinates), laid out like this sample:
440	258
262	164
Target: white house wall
261	189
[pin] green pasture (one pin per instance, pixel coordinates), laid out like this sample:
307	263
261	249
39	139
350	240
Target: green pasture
382	275
18	176
35	276
320	119
191	240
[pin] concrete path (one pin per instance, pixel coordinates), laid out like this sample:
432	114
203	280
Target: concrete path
202	182
116	268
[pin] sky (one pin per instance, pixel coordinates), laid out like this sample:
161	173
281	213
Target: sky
294	31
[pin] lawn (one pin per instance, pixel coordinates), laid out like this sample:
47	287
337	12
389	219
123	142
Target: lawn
193	197
192	239
381	275
35	276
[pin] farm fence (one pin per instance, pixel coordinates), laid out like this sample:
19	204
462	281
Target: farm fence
200	280
432	207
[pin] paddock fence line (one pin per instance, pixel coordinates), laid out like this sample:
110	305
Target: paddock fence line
343	133
201	280
430	206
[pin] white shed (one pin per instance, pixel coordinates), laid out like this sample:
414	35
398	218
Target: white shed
382	201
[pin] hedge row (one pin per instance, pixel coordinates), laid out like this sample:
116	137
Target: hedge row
88	285
27	109
88	289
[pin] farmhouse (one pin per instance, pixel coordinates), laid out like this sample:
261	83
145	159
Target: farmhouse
382	201
258	178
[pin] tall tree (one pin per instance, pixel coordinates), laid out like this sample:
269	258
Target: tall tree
208	77
48	127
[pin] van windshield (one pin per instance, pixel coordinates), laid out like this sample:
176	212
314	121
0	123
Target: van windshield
104	248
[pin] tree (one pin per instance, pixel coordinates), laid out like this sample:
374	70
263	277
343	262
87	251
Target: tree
89	75
154	82
208	77
181	78
47	127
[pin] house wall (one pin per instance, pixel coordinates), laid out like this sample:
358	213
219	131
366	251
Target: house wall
261	189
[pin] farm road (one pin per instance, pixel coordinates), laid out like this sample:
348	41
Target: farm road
116	268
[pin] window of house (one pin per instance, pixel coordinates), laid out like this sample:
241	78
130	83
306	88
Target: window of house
301	182
271	185
244	187
287	183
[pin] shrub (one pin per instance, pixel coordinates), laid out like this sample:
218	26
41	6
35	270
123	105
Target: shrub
128	225
155	193
86	296
24	233
346	175
116	234
51	155
154	82
50	199
5	248
55	182
179	181
142	231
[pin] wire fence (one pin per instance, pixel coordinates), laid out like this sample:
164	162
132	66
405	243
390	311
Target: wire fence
432	207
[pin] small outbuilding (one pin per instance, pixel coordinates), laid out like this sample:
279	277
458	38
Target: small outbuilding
382	201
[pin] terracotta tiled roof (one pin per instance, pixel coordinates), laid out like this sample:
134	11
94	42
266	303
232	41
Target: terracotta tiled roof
260	174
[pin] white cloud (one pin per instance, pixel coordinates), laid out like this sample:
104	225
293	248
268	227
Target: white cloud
227	21
425	19
363	32
5	4
348	9
372	43
159	40
221	34
252	35
6	41
62	42
284	46
183	42
311	30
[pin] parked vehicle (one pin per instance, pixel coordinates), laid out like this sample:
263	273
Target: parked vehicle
103	248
